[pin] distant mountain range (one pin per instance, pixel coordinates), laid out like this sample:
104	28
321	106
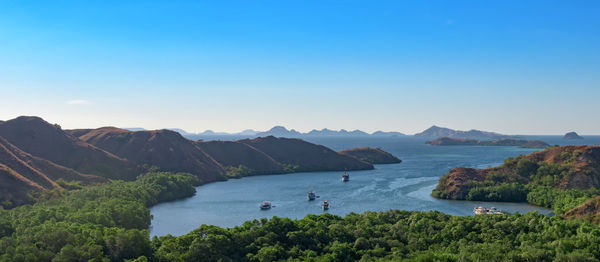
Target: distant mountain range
436	132
281	131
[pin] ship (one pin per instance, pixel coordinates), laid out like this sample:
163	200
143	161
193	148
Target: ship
265	205
325	205
311	195
345	177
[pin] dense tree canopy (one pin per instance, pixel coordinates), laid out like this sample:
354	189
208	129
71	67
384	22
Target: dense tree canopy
391	235
110	223
99	223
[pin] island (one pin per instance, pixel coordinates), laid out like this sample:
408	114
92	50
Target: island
436	131
572	135
565	178
449	141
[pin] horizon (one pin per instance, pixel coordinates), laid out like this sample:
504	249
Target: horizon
510	67
303	132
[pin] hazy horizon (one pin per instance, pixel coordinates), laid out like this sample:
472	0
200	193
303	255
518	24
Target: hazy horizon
510	67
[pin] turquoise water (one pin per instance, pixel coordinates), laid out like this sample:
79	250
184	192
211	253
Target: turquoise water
403	186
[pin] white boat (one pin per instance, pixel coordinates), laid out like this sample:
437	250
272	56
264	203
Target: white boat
345	177
265	205
485	211
325	205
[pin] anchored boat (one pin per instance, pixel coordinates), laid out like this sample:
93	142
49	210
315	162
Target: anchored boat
311	195
265	205
484	211
325	205
345	177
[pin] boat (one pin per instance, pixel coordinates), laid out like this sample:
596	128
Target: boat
311	195
485	211
265	205
345	177
325	205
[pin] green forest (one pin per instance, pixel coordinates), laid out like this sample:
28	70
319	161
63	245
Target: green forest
110	223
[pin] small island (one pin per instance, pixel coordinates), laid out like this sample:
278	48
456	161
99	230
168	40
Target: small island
572	135
371	155
449	141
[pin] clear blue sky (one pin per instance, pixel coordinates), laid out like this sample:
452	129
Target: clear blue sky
518	67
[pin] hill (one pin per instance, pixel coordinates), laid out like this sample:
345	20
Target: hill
435	131
567	167
301	156
590	211
162	148
572	135
21	173
448	141
371	155
44	140
240	159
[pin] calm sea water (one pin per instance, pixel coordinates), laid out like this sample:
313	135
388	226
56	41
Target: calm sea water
403	186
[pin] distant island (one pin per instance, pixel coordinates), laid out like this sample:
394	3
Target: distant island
448	141
36	157
436	131
572	135
565	178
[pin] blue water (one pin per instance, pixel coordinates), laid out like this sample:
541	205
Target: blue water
403	186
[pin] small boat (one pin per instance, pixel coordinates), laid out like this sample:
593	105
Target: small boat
485	211
265	205
345	177
325	205
311	195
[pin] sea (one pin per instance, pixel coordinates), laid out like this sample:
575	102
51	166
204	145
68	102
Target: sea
404	186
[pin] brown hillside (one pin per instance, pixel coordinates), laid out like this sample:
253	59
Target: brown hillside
23	173
14	188
582	163
39	138
165	149
371	155
303	156
234	154
590	211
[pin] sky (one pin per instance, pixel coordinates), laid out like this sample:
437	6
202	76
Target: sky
515	67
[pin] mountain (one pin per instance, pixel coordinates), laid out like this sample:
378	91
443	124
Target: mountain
371	155
436	131
301	156
247	132
162	148
44	140
333	133
448	141
572	135
279	131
